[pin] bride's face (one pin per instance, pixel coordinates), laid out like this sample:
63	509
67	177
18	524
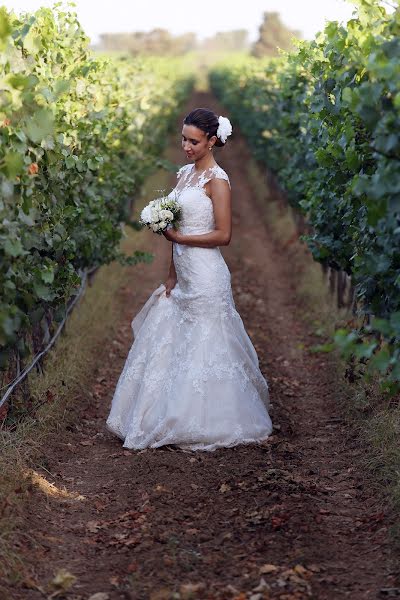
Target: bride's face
194	142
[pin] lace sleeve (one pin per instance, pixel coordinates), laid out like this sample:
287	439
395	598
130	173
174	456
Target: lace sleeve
223	175
216	173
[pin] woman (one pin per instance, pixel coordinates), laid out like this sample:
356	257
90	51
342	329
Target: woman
192	375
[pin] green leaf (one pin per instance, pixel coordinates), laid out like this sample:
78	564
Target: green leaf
43	292
61	87
13	247
47	275
32	42
322	348
14	163
381	325
19	81
381	360
365	350
352	159
395	373
59	313
28	218
5	25
395	321
93	165
70	162
40	125
347	95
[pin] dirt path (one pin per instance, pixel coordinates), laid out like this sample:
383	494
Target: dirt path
290	518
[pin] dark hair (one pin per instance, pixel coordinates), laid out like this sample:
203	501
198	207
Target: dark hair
206	120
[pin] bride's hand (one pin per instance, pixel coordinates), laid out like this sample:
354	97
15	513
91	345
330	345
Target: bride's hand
172	235
170	284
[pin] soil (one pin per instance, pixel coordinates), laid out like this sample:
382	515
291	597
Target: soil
289	518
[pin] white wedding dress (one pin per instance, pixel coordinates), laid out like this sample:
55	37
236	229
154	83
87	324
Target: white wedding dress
192	375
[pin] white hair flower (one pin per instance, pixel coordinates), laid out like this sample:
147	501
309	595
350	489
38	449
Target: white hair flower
224	128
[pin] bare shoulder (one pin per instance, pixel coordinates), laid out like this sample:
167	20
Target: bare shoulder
219	191
219	184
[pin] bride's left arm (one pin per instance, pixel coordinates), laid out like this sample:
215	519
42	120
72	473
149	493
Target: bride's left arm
221	236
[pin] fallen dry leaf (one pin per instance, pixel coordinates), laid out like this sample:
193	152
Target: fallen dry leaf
300	570
188	589
262	586
314	568
93	526
62	581
31	584
161	488
224	488
267	569
86	443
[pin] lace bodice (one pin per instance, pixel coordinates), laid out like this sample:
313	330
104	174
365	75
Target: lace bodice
197	206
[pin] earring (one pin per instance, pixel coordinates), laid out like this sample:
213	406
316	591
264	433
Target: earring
210	147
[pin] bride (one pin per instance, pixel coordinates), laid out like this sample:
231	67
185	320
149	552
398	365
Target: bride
192	375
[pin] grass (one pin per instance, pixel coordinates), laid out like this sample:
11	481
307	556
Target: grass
374	416
54	394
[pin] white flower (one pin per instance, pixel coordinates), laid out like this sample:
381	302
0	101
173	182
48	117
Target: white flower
224	128
145	215
159	213
166	214
154	214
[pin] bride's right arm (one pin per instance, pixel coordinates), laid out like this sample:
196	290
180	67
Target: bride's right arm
172	276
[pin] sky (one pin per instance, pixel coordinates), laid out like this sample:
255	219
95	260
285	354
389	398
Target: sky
205	17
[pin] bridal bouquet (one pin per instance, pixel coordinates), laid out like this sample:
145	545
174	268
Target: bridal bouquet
160	214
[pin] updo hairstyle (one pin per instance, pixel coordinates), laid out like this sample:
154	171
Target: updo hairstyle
207	121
